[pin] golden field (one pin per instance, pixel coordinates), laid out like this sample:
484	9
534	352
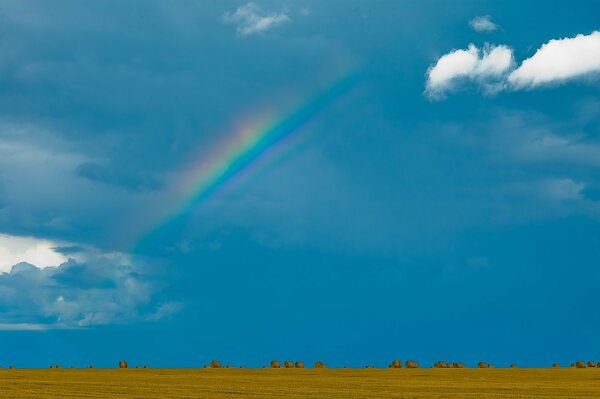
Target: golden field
300	383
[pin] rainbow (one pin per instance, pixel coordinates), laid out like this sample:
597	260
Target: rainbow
206	175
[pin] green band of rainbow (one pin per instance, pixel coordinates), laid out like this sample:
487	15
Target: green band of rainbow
206	176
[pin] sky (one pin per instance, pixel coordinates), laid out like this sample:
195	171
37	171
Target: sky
344	181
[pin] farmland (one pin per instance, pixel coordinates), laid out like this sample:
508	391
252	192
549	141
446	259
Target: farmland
301	383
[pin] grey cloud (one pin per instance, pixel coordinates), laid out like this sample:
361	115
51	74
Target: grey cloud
110	116
136	181
75	295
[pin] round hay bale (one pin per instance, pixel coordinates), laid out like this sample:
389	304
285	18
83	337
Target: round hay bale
396	364
288	364
411	364
556	365
441	365
275	364
346	367
215	364
122	364
482	365
12	367
299	365
591	364
91	367
457	365
580	365
513	366
146	367
368	366
320	365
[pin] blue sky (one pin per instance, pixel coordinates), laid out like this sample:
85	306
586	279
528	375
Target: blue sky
446	207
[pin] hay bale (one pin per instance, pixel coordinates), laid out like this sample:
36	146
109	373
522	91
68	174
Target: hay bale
275	364
457	365
215	364
556	365
368	366
320	365
91	367
513	366
122	364
396	364
288	364
591	364
411	364
346	367
12	367
146	367
299	365
580	365
482	365
441	365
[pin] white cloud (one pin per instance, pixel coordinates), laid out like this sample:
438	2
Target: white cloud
558	61
251	19
486	67
555	62
40	252
483	24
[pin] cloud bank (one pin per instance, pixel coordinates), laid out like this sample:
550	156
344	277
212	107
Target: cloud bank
251	19
78	295
483	24
493	69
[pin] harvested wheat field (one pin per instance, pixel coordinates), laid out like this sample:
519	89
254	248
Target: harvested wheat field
301	383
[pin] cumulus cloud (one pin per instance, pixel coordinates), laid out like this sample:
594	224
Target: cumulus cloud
485	67
558	61
76	295
251	19
41	252
483	24
555	62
